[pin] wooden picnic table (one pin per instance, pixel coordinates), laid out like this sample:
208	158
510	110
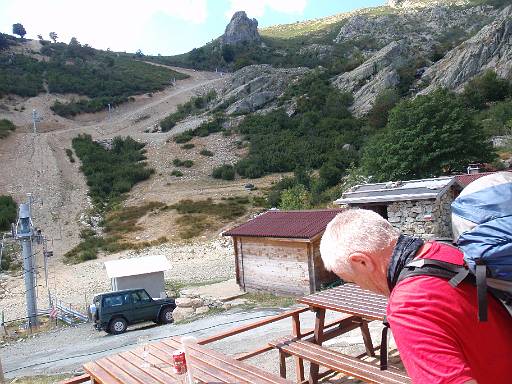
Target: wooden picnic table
348	299
208	366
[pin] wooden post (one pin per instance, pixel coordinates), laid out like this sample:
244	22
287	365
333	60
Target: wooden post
318	339
299	363
2	378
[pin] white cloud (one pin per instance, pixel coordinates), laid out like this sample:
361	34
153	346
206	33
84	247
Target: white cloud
257	8
116	24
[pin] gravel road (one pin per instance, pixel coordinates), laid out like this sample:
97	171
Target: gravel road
66	349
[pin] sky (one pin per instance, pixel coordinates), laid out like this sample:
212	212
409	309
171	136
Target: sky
165	27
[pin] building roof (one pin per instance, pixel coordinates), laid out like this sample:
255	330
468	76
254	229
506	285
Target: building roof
286	224
464	180
136	266
424	189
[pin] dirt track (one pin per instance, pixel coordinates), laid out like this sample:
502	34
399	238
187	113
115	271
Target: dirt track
38	164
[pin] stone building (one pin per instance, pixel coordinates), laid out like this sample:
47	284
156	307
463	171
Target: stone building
415	207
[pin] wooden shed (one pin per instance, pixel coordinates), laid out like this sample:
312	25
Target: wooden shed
279	252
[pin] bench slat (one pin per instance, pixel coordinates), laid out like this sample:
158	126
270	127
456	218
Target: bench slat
339	362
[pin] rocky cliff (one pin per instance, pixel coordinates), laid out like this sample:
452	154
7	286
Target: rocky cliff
491	49
256	86
240	30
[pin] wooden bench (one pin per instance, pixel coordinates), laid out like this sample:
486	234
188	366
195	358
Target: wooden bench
335	361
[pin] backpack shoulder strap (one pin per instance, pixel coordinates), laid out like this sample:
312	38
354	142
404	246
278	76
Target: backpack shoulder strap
454	273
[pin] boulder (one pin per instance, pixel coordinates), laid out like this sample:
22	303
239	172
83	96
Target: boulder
181	313
240	30
202	310
184	302
197	302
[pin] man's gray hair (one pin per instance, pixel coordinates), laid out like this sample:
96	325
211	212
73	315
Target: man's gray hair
354	230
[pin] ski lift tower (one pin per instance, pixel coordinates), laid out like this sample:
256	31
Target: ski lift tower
24	232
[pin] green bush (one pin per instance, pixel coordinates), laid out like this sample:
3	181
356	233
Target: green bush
183	163
98	104
69	153
184	137
176	173
205	152
224	172
485	89
428	136
6	127
82	70
188	146
195	105
111	173
8	212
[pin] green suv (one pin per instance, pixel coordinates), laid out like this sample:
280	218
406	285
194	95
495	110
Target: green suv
112	312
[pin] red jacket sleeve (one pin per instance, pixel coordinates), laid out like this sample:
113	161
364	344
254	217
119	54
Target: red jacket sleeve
421	314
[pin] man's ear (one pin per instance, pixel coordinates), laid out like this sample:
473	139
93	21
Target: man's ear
361	262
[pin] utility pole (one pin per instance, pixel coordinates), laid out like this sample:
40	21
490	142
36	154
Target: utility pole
34	119
24	233
109	111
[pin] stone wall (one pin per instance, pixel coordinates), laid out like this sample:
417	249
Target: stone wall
424	218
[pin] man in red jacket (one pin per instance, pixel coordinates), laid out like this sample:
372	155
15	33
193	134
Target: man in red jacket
435	326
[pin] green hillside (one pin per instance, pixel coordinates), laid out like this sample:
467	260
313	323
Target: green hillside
103	76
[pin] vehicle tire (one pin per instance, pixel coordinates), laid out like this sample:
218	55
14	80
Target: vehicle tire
166	316
117	326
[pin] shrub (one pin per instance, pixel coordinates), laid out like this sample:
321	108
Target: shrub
176	173
183	163
184	137
295	198
111	173
8	212
224	172
486	88
98	104
188	146
69	153
205	152
6	127
195	105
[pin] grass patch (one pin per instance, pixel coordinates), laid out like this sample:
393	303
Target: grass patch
6	128
205	152
116	224
188	146
202	215
40	379
177	173
191	226
263	299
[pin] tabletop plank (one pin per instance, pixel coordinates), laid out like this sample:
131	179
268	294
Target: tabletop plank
228	364
351	299
99	373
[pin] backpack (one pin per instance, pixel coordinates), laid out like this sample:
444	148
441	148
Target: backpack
482	227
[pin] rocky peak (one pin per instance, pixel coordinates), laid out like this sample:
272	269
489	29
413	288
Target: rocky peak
241	29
